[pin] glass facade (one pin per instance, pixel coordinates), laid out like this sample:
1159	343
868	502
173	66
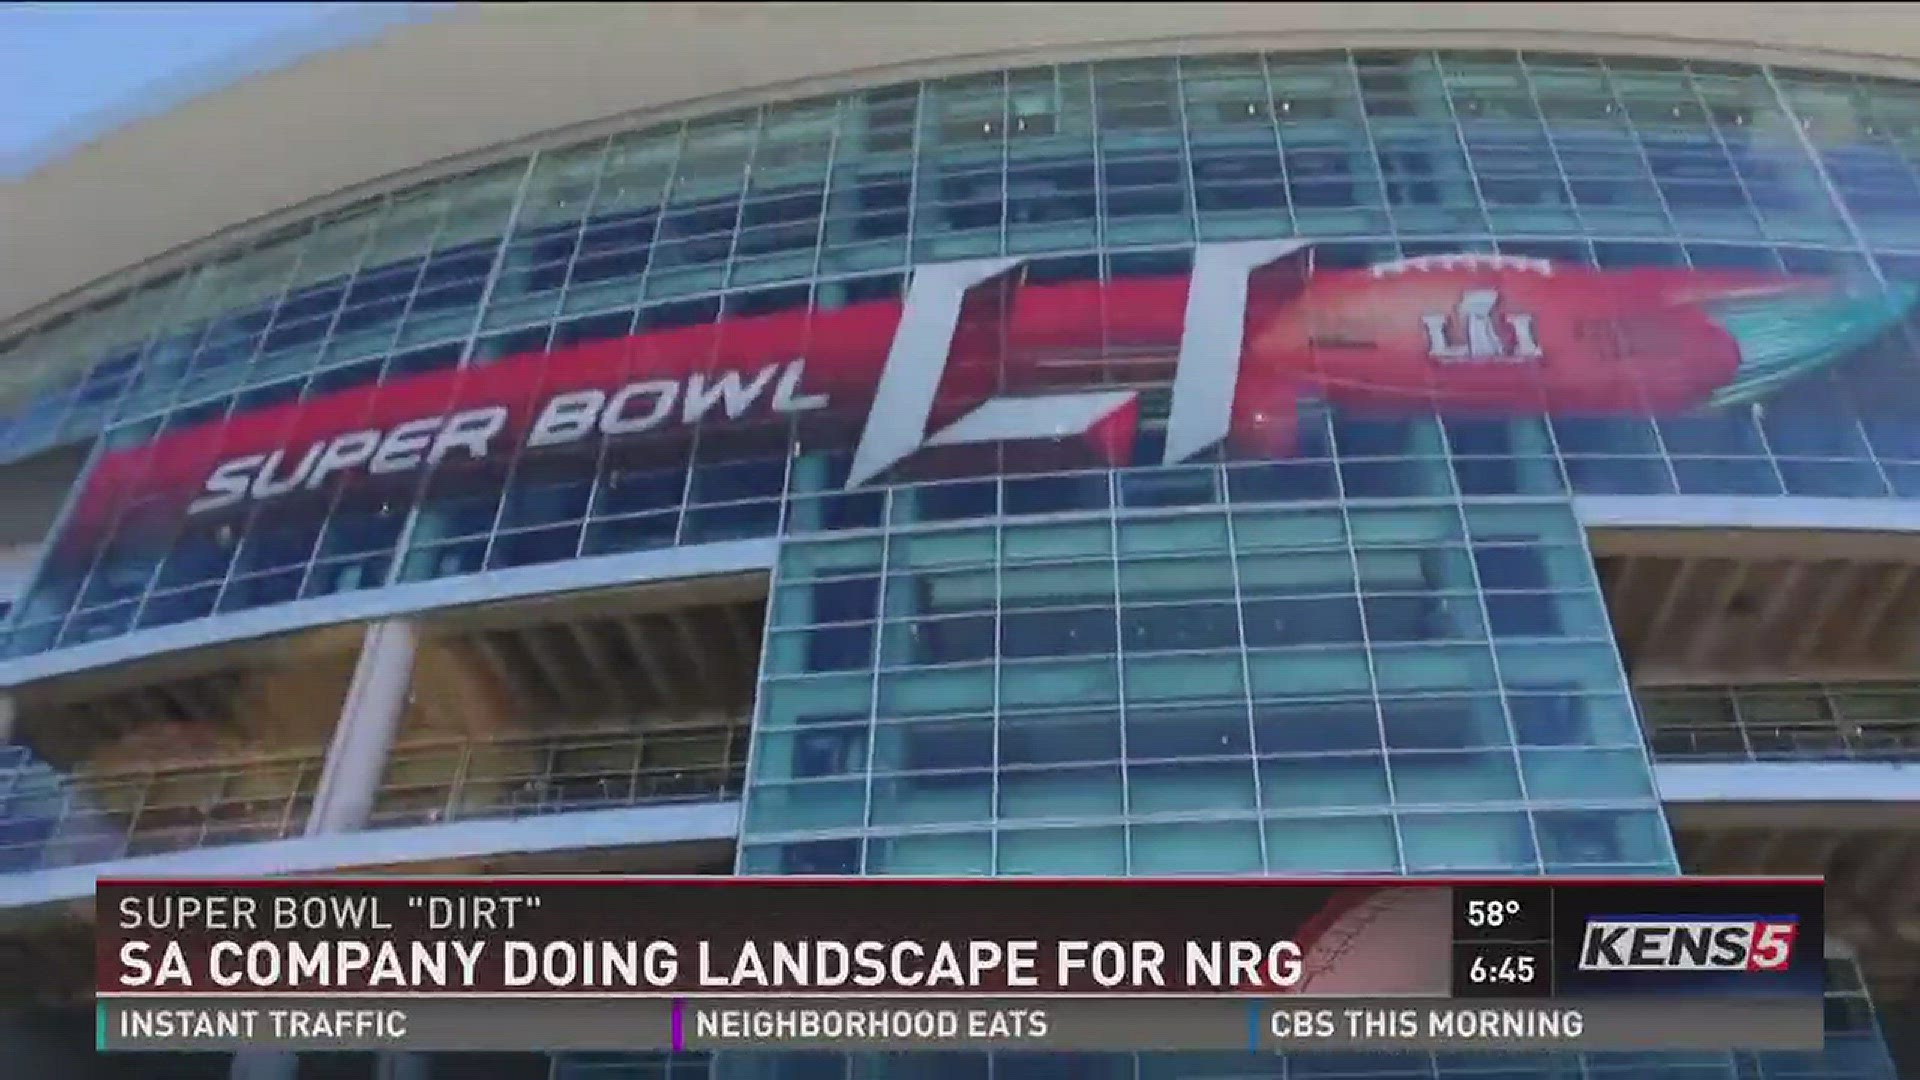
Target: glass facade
1424	688
1405	686
951	342
1625	173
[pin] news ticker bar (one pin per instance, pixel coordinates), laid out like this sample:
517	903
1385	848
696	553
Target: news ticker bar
901	1023
785	937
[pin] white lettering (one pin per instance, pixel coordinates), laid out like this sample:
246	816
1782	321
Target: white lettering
1207	369
1461	261
735	398
1475	313
1524	343
228	484
1113	963
784	393
133	957
470	431
344	452
190	1023
266	486
1477	309
615	420
404	446
567	418
137	970
220	959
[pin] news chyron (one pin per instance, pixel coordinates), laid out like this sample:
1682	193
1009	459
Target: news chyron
1755	938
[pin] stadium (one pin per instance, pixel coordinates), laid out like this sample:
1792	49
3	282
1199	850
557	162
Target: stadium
1129	439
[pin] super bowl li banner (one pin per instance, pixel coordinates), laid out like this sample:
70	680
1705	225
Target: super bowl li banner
1231	354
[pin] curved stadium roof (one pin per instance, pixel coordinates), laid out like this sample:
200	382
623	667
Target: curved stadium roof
480	81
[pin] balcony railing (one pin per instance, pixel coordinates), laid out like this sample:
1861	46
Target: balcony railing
1859	722
50	819
1890	741
553	773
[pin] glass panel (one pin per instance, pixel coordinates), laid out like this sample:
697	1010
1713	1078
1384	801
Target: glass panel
1332	844
1464	841
1100	852
1215	847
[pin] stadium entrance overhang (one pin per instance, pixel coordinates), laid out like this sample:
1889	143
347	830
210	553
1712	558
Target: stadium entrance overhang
1708	611
1869	852
1737	605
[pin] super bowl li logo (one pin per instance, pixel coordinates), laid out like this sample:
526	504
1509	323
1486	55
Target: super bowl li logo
1476	315
1475	329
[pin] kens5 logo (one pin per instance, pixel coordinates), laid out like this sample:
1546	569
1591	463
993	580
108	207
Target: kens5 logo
1664	943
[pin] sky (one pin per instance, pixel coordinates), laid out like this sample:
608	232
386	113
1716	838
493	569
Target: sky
72	71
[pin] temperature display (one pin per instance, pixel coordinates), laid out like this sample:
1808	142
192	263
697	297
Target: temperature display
1492	914
1502	941
1502	914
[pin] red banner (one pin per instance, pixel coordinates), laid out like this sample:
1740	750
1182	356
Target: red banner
1470	333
